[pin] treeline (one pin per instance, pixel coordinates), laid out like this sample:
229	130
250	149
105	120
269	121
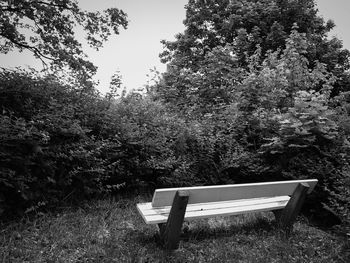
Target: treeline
254	91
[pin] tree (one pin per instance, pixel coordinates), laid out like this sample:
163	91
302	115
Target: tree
115	86
241	25
46	28
204	89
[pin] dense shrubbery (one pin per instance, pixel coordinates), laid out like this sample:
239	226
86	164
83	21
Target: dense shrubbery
59	142
47	151
271	116
222	113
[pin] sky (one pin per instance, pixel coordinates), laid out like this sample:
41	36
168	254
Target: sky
136	50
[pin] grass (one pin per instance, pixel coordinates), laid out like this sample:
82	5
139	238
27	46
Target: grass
112	231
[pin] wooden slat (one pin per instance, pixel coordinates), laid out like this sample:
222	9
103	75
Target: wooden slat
217	193
147	208
160	215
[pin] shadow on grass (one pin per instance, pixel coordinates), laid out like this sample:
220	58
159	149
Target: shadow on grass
207	232
145	239
203	229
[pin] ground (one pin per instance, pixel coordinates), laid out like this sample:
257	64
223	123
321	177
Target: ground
113	231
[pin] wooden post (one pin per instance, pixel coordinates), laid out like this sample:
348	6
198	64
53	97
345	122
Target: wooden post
293	207
170	232
277	214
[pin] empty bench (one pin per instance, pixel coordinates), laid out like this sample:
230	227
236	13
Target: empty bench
171	206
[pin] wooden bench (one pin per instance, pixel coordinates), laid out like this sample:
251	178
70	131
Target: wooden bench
170	206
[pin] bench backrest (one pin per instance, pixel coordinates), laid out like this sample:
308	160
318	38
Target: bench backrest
216	193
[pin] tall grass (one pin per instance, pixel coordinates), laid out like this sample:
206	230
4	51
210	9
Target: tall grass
112	231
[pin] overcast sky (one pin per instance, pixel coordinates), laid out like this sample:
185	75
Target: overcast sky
135	51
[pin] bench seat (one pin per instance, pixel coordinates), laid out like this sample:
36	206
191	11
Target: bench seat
156	215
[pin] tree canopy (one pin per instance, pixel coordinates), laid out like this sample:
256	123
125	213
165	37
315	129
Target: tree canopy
239	27
47	29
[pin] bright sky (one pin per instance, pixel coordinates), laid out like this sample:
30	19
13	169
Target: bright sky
136	50
338	11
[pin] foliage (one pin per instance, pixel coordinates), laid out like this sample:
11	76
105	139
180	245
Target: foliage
268	103
147	140
238	27
308	123
202	90
59	142
248	96
47	29
47	151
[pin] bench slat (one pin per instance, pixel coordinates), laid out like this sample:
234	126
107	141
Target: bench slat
203	194
147	208
153	215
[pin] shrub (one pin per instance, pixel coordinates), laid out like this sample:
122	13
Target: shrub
46	150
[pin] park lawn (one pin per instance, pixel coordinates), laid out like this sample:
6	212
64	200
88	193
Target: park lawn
113	231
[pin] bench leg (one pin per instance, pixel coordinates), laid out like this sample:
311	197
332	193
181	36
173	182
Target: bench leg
293	207
277	214
171	230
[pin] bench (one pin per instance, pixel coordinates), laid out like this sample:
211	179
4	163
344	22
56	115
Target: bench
171	206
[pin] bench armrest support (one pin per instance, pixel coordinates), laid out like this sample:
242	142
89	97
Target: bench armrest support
293	207
171	230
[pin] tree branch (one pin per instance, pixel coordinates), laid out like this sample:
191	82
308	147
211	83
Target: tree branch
35	50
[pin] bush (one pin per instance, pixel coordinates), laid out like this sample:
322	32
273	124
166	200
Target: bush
59	143
47	149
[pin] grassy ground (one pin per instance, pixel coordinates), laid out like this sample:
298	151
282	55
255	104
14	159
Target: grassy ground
112	231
